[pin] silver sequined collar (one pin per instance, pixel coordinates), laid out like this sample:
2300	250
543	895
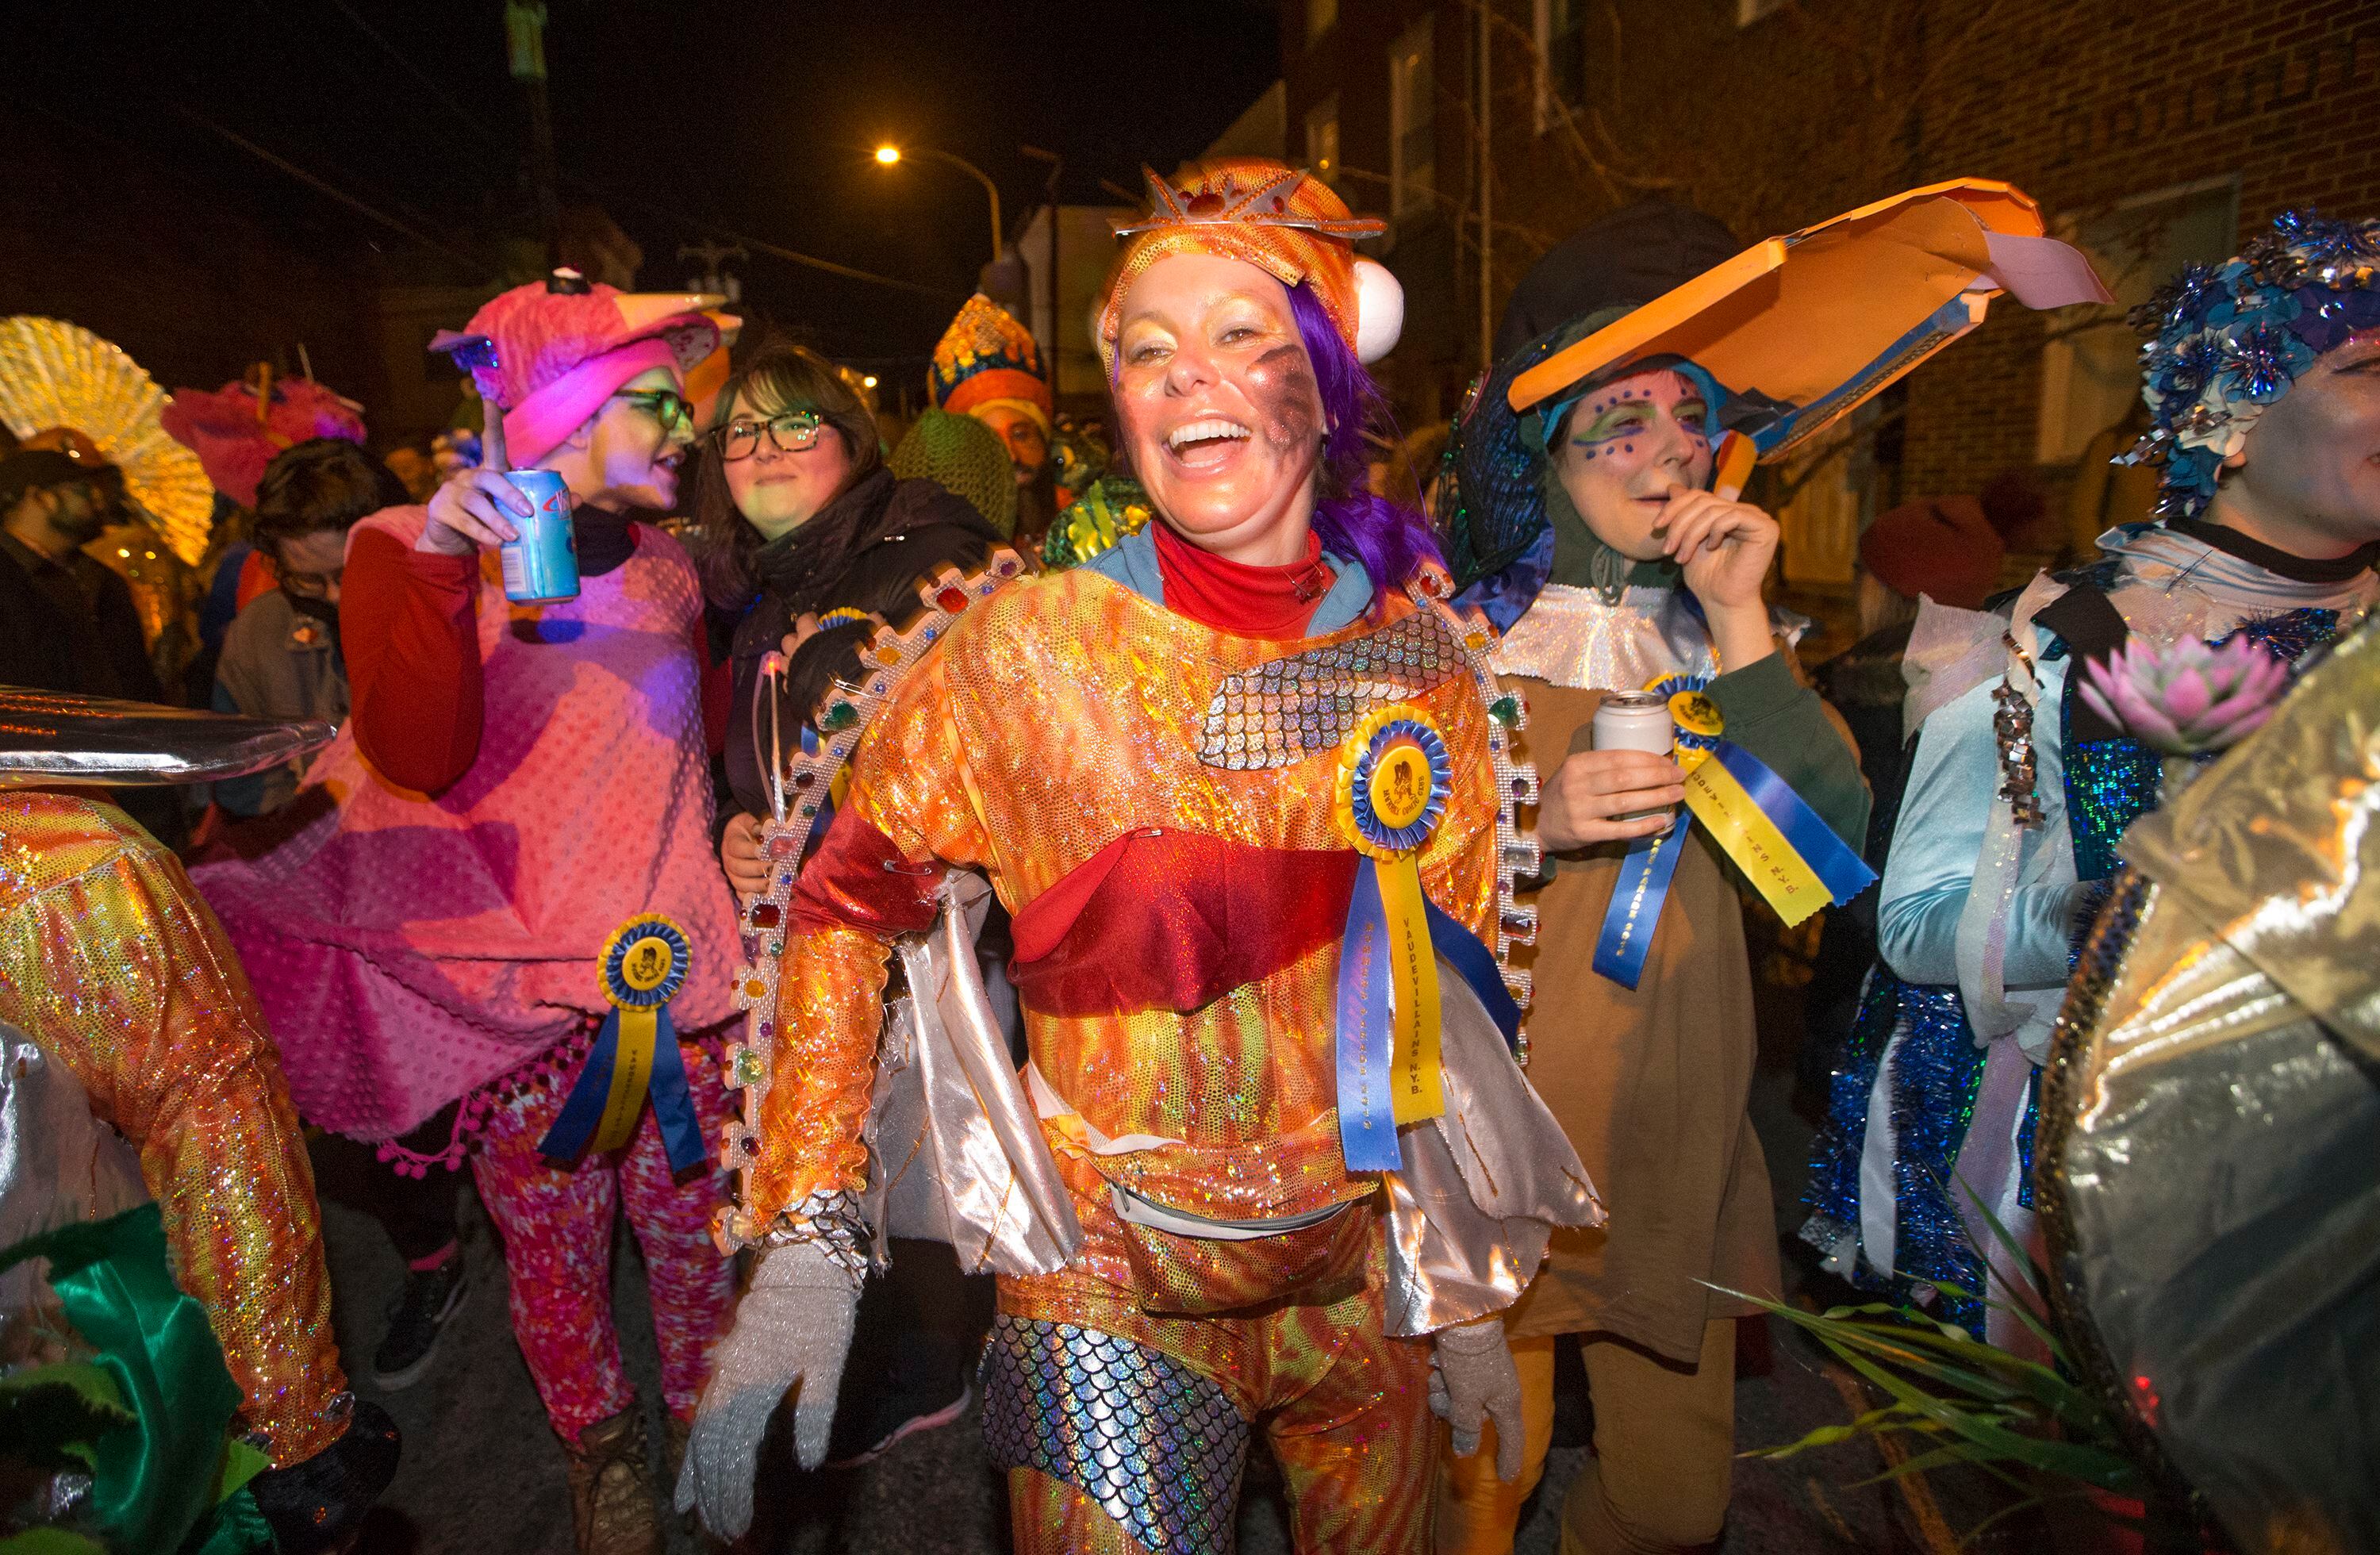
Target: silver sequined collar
1581	638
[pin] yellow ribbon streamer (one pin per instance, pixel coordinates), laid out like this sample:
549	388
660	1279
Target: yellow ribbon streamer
1748	837
632	1069
1416	1088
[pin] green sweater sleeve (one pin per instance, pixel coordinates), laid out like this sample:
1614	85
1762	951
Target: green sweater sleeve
1780	720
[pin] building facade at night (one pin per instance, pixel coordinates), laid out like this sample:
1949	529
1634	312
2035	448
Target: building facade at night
2153	137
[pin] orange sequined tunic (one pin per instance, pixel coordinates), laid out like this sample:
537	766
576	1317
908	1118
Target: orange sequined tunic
1059	725
111	962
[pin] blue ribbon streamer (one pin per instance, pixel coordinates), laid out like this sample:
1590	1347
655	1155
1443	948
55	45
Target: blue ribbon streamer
1644	884
1368	1125
673	1102
1460	949
582	1110
1636	898
1841	871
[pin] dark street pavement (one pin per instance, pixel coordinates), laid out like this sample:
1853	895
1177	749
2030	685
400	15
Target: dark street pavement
482	1471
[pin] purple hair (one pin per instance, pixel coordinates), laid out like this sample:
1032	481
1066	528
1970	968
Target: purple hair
1389	539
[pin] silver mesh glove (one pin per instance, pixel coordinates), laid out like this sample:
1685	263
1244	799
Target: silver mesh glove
792	1326
1472	1379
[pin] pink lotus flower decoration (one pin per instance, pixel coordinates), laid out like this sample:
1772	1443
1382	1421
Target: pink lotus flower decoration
2188	699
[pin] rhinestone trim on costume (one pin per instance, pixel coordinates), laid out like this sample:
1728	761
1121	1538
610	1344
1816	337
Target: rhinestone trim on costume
1156	1444
799	791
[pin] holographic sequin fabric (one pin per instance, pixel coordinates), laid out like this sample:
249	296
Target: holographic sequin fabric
1057	716
110	961
1937	1071
1158	1446
1294	707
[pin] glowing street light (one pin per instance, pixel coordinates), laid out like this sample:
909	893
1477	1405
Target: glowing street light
890	156
868	380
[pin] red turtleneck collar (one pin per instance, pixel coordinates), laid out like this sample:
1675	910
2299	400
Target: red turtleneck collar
1248	602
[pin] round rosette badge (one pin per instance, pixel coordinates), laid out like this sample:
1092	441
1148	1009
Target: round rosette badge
1395	778
644	962
1698	723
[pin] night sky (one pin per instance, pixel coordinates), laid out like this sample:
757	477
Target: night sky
679	119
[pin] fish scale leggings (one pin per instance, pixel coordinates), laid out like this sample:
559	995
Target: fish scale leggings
556	1224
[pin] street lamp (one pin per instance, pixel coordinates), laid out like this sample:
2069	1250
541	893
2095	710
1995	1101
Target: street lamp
890	156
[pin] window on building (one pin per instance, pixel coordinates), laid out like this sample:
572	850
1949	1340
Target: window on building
2090	368
1322	138
1321	16
1560	33
1413	120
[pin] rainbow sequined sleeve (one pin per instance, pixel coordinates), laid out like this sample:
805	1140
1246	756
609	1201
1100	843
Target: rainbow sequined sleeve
112	961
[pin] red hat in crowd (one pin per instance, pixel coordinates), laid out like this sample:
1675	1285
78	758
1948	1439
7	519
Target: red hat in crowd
1941	547
549	353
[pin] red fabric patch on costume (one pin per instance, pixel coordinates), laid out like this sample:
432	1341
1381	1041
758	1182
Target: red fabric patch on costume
1174	920
858	879
1248	602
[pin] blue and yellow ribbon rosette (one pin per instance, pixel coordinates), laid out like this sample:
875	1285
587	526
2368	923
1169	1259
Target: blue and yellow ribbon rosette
1395	778
1791	855
644	965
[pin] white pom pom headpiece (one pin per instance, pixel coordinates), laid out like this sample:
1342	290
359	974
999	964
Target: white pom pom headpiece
1379	312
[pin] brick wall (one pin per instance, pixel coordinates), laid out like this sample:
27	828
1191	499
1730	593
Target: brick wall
1832	103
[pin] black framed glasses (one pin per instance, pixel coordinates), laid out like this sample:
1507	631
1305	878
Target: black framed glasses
788	432
671	409
312	585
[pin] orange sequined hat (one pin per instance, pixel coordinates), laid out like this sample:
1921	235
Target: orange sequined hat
1287	223
986	357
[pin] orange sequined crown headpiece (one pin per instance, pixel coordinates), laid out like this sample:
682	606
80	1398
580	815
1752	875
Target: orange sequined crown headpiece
1284	221
986	357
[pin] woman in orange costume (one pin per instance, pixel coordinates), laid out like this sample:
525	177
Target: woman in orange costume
1165	762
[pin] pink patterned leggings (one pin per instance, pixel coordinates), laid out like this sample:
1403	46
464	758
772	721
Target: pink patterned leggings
557	1229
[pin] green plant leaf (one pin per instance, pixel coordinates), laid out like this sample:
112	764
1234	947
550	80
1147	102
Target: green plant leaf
50	1541
54	1415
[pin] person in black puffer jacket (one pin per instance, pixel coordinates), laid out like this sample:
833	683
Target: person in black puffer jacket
804	536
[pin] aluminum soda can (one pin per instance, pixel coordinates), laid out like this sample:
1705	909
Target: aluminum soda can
542	565
1636	721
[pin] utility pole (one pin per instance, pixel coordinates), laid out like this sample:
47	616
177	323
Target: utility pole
1057	327
525	51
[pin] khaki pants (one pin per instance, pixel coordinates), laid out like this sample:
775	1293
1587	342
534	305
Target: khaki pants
1658	1481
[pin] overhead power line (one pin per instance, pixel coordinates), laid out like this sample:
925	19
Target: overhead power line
429	84
320	186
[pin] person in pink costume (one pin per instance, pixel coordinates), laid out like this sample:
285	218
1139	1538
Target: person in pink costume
517	783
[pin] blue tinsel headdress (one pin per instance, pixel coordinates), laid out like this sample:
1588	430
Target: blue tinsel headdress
2228	341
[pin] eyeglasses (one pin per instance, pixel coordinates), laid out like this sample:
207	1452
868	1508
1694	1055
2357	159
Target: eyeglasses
312	585
666	405
789	432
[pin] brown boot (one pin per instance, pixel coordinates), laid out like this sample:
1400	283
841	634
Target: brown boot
612	1489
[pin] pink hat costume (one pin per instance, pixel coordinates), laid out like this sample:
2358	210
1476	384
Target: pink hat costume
551	359
237	429
411	948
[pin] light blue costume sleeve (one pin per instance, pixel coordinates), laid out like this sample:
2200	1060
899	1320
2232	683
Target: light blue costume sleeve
1939	838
